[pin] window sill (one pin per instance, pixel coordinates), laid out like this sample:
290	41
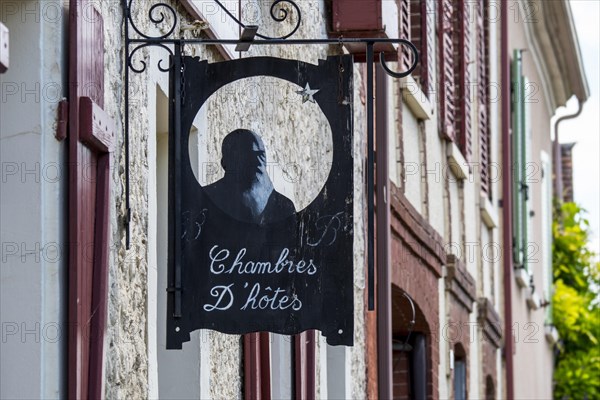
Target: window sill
415	99
522	277
488	213
457	163
533	301
551	334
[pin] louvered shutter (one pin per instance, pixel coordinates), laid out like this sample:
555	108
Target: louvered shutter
91	138
405	32
462	54
419	35
519	157
428	9
483	106
446	55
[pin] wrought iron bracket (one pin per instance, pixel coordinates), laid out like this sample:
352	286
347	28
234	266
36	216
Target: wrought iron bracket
164	15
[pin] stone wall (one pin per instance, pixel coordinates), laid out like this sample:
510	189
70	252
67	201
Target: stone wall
299	157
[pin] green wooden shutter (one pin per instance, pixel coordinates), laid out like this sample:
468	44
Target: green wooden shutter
525	161
519	162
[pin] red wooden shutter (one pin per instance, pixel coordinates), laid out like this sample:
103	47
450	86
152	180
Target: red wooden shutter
257	366
462	54
91	137
446	55
405	33
305	365
482	85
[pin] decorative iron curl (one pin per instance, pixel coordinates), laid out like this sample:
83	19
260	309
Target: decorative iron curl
281	18
143	62
402	74
157	16
411	324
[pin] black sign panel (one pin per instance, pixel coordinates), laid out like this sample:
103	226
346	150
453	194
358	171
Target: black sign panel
241	257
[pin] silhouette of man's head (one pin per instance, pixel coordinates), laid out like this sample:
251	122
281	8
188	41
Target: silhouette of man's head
243	156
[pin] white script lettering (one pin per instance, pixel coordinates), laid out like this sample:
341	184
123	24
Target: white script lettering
218	265
220	292
271	299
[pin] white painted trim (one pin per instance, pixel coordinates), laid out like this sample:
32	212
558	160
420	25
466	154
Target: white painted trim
533	301
551	334
221	26
535	51
151	275
415	99
489	216
522	277
456	162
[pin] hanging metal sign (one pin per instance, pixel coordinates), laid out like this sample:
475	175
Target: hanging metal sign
242	258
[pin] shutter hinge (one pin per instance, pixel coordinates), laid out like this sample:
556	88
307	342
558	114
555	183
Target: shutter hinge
96	127
525	190
62	120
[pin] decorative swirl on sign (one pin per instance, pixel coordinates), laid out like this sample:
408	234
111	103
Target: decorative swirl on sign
157	16
283	15
143	63
328	226
413	48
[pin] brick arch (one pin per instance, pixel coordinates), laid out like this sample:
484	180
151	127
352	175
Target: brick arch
402	314
460	351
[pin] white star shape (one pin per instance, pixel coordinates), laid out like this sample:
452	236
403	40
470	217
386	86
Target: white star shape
308	93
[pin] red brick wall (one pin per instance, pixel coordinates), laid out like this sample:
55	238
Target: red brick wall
417	258
401	376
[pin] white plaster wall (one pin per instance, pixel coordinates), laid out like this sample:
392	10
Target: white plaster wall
436	172
32	198
412	159
455	244
531	347
471	218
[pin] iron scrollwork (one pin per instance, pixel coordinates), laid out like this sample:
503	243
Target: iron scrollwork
283	16
156	14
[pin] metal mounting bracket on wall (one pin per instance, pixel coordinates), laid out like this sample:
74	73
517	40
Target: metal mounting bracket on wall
166	16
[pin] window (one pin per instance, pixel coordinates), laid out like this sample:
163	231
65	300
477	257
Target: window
172	373
409	367
460	379
454	52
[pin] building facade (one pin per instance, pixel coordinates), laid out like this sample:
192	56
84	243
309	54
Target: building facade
463	217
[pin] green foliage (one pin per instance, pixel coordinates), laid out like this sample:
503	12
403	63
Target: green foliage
577	375
571	259
574	317
576	312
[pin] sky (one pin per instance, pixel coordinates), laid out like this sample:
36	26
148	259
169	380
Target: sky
585	129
